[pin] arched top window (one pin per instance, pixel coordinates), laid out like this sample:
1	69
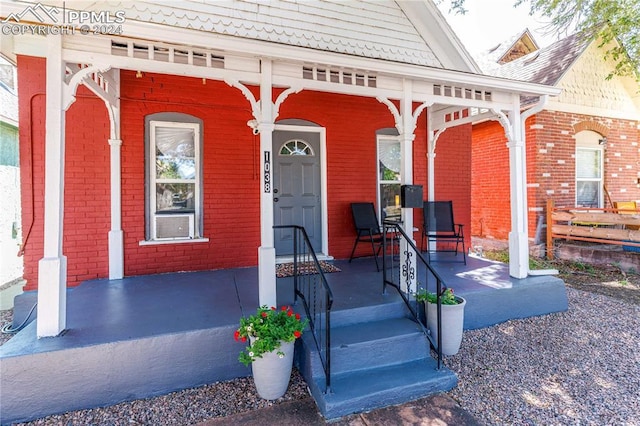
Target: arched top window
295	147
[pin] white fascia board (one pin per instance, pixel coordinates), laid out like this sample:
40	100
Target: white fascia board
30	45
256	48
439	35
7	48
470	103
345	89
440	124
147	65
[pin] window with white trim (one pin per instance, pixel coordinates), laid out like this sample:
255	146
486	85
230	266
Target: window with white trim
589	170
389	155
174	190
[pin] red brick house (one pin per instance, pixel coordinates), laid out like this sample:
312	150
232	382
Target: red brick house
582	148
163	138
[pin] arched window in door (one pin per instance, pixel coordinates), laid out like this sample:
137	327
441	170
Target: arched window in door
295	147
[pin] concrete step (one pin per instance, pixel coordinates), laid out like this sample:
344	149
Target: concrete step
373	388
380	343
393	308
378	358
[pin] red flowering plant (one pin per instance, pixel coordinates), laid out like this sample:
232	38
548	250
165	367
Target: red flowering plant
266	329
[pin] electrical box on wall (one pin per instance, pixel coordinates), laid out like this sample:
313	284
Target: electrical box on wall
411	196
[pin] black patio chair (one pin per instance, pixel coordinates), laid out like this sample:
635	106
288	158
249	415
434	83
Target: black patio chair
439	227
365	221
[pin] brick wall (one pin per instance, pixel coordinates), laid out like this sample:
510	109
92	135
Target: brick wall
31	101
490	199
230	175
230	170
453	174
550	167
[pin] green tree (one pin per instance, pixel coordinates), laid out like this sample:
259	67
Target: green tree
613	19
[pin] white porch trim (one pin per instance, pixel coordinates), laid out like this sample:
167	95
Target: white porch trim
52	268
263	112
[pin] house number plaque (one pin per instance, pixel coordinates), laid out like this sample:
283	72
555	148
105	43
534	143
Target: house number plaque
267	171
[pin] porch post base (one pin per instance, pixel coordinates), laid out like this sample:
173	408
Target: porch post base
116	255
267	276
52	296
518	255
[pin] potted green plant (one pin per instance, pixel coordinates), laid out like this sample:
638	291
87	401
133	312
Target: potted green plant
271	333
452	318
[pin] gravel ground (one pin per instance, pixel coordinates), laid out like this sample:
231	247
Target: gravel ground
6	316
580	367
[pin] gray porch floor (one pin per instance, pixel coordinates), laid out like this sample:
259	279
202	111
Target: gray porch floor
153	334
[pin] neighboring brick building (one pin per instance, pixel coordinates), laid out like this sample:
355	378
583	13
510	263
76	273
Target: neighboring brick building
582	148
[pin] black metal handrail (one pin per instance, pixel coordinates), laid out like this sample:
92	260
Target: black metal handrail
407	270
310	285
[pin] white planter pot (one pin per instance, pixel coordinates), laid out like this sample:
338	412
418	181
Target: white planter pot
452	322
271	373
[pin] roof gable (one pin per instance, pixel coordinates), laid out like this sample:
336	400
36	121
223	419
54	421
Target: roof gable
547	65
585	83
406	32
575	64
514	47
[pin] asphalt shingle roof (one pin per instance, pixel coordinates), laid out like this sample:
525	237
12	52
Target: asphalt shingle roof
546	65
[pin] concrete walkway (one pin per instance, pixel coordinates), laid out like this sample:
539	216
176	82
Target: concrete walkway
433	410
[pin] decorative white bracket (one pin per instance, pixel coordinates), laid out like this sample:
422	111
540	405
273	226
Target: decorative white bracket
436	136
394	111
89	75
256	106
506	124
398	117
281	98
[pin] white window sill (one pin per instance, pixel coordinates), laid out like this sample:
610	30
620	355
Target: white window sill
180	241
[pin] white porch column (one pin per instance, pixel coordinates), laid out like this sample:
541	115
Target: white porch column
52	268
116	236
116	239
407	254
431	158
266	251
518	237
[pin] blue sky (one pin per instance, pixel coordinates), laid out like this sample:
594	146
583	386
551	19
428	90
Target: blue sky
489	22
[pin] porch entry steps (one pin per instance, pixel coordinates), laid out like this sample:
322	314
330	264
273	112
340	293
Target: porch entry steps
379	357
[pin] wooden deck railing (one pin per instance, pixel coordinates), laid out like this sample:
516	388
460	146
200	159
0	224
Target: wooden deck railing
606	226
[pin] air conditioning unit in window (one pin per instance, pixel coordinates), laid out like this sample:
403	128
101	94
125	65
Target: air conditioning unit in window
173	226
